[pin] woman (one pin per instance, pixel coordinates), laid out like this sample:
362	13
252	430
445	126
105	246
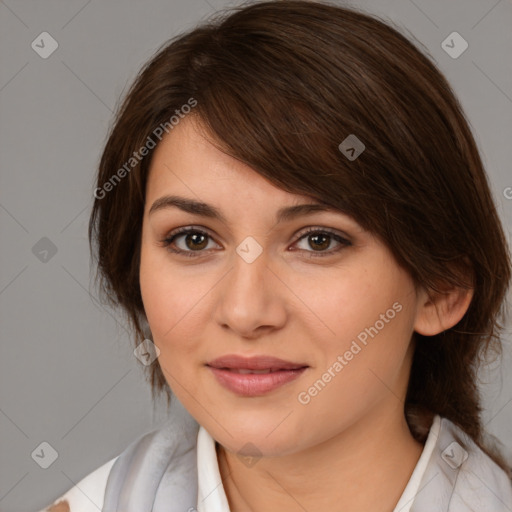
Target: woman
292	211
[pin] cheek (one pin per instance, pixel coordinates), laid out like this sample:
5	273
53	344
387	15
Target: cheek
370	318
170	305
350	302
163	304
174	301
360	367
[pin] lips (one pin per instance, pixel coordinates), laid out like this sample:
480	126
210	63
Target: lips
244	371
254	364
254	376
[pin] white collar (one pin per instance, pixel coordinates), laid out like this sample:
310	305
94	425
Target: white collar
212	497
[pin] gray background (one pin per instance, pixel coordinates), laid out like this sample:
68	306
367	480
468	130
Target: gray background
68	375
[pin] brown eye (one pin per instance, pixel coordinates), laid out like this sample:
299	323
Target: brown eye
196	241
187	241
190	241
321	239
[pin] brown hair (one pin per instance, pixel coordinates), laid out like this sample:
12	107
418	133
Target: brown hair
279	85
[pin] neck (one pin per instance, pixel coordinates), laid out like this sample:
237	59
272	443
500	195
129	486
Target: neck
365	467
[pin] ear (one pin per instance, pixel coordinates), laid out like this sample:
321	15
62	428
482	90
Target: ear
439	311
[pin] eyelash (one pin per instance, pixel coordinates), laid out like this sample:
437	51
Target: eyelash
187	230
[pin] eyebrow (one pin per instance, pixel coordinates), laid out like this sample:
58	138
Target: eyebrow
207	210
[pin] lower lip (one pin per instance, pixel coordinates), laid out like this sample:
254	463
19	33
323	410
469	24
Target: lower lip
254	384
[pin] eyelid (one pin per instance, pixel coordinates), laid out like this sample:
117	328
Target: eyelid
301	232
187	229
314	229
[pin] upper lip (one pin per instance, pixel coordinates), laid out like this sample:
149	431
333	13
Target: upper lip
263	362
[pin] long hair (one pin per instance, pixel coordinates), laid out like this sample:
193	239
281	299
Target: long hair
279	85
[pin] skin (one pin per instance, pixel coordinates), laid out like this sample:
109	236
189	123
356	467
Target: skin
350	447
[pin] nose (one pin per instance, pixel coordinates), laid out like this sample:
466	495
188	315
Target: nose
252	297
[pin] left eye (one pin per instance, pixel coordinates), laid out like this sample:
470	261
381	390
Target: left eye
320	240
195	240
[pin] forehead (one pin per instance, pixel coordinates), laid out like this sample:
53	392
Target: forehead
187	161
189	173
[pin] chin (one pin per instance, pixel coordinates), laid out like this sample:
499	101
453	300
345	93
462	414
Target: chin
252	438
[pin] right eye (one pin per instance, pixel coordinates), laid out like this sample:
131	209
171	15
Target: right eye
193	240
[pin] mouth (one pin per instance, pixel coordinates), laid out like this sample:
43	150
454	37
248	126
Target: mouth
254	376
255	372
254	364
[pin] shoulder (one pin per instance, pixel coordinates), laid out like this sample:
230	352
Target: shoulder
87	495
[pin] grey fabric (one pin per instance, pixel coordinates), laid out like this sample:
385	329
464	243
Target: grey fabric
158	473
460	477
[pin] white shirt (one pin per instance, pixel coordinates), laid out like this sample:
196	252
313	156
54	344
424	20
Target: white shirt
88	494
212	497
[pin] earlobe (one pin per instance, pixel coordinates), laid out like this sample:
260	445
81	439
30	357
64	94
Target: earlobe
441	311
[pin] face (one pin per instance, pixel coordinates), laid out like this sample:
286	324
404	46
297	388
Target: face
313	289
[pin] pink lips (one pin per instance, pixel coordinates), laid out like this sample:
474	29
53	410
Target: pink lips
233	372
